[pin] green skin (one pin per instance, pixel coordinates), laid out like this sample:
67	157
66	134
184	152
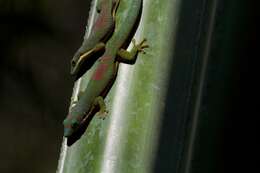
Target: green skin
103	27
105	69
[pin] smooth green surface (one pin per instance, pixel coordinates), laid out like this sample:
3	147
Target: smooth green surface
126	140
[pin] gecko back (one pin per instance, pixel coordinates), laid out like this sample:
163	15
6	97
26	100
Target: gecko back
102	29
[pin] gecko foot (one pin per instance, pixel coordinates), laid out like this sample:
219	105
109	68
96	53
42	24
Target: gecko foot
141	46
102	114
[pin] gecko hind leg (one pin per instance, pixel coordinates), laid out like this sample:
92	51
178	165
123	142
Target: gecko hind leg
102	113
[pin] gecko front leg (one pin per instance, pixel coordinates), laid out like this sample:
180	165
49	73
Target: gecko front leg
129	57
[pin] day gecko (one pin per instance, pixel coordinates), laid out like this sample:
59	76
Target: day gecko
105	68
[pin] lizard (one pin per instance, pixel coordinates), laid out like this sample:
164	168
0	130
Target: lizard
91	101
102	29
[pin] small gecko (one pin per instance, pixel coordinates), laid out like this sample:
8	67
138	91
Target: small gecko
91	100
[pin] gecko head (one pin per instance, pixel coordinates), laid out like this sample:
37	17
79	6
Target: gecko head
80	63
71	124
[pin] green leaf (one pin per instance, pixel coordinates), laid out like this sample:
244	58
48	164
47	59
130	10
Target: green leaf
127	139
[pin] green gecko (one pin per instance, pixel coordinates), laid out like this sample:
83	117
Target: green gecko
105	69
102	29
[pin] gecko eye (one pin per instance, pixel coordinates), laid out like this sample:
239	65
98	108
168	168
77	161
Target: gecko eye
74	124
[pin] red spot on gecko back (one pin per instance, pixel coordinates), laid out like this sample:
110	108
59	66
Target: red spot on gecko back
100	22
100	71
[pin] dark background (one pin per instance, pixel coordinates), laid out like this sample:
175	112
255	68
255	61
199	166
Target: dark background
38	39
225	126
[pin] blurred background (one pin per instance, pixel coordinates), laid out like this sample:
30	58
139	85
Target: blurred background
38	39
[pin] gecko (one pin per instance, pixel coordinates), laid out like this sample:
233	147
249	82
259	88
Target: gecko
91	101
95	42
